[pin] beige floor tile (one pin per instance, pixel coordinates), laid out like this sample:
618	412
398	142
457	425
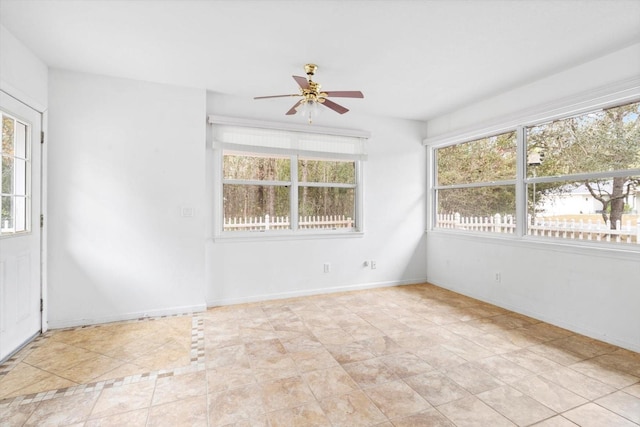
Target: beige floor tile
436	388
472	412
177	387
495	343
502	369
122	371
440	358
622	404
396	399
584	346
230	376
621	360
172	355
578	383
235	405
406	364
557	421
472	378
381	345
265	348
285	393
136	418
370	372
605	374
123	398
466	349
352	409
16	415
556	354
329	382
63	410
190	412
90	369
549	393
311	360
531	361
308	415
633	390
517	407
274	367
21	377
430	417
546	332
593	415
225	356
349	353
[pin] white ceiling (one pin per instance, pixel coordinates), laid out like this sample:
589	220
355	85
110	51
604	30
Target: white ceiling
412	59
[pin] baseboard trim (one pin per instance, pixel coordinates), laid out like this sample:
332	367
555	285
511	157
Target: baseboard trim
169	311
310	292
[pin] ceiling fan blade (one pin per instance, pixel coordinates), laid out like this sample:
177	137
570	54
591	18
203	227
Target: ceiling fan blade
302	82
345	93
293	109
335	107
276	96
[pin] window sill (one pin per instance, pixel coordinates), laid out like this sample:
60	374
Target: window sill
262	236
580	247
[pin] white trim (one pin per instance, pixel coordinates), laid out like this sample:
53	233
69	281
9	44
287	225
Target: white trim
318	291
607	96
548	244
185	309
236	121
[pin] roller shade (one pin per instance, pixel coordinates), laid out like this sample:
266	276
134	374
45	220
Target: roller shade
284	141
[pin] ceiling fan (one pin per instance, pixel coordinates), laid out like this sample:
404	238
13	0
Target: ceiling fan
311	96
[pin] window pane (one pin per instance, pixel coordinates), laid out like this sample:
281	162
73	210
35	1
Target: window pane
490	209
586	210
7	175
246	207
484	160
256	167
6	216
327	171
602	141
326	207
21	214
7	135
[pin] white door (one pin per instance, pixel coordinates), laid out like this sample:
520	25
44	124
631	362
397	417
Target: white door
20	232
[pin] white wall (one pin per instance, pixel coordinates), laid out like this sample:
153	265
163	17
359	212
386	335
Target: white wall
618	66
394	216
125	158
594	292
22	74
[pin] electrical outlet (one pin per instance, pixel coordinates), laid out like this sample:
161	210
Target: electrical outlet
327	267
373	265
498	277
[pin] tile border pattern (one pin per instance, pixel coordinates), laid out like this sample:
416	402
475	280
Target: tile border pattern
197	363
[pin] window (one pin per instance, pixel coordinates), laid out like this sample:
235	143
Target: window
475	184
580	179
15	170
283	182
583	174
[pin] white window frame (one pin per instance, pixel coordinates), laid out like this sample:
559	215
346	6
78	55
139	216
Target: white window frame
626	92
295	232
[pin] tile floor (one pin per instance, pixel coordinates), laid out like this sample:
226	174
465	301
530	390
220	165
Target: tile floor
401	356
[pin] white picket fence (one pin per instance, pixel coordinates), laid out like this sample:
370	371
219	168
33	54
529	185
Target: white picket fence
566	229
282	223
